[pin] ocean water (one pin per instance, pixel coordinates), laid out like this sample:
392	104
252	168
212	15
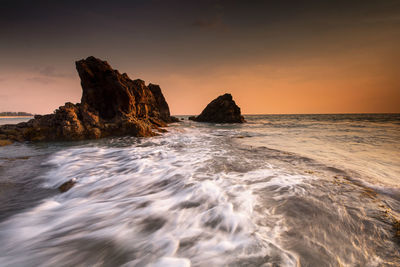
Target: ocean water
280	190
13	120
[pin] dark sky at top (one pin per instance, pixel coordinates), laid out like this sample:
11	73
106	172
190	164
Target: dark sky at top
40	40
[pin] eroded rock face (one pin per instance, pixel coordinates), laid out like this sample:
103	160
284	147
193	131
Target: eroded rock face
223	109
112	105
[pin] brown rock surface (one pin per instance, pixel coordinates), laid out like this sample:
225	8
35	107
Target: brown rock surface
223	109
5	142
67	185
112	105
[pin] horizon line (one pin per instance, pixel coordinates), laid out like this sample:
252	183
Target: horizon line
348	113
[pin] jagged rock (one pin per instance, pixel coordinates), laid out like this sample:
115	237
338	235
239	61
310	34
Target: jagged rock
112	105
223	109
163	108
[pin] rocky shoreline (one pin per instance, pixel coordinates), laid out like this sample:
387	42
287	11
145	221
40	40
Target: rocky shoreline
112	105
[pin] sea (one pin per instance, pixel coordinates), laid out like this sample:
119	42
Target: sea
279	190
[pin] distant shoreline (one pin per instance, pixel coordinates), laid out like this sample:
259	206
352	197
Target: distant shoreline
15	117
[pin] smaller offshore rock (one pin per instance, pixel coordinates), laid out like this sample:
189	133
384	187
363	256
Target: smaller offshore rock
223	109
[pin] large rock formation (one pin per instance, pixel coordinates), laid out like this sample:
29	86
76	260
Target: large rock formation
112	105
223	109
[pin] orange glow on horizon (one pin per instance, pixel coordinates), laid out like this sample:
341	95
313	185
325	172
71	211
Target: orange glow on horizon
347	84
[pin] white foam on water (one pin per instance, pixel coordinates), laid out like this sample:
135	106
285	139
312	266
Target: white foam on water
170	262
162	202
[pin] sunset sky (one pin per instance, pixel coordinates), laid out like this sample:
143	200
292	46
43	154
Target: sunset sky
273	56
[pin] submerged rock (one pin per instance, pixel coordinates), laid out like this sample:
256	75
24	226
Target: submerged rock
223	109
396	226
5	142
112	105
67	185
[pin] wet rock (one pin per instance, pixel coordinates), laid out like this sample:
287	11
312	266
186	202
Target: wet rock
5	142
111	105
396	226
223	109
161	130
173	119
163	109
67	185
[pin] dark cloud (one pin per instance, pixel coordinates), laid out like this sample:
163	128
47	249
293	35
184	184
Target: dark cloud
160	34
209	23
214	19
206	23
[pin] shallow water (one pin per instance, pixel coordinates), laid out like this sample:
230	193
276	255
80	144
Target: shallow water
281	190
13	120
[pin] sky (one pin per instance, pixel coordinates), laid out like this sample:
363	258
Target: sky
274	57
